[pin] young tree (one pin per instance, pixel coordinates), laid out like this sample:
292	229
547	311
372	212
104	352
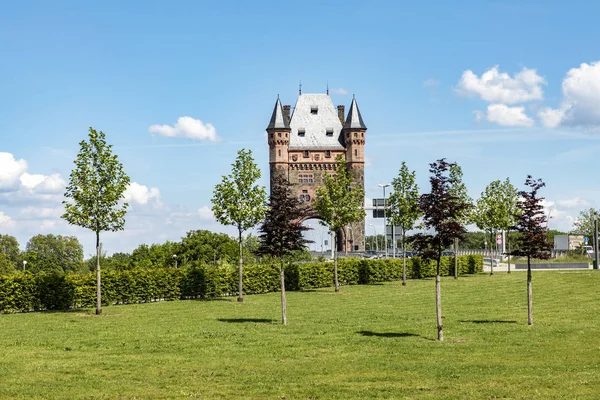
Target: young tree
339	202
531	223
239	201
95	194
404	206
441	214
496	211
584	225
459	189
281	231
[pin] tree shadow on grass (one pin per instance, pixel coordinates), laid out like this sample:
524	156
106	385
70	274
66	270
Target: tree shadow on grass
489	321
388	334
246	320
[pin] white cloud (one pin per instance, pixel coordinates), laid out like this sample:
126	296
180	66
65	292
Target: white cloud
187	128
42	212
499	87
508	116
43	184
581	96
205	213
141	194
574	202
10	170
6	221
431	83
340	91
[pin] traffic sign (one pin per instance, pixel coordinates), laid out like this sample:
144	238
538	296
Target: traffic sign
499	238
585	240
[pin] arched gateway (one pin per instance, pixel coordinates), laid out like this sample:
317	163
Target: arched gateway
304	146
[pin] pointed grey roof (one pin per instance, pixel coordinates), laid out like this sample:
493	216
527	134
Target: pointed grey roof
278	121
354	119
315	123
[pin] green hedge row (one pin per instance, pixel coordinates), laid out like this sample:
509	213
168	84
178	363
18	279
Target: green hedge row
27	292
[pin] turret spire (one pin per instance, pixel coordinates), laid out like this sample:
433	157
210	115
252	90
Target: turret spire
278	120
354	119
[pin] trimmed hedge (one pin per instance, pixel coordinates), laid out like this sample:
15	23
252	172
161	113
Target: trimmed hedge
26	292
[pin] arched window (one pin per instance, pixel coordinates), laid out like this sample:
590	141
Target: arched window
307	197
301	197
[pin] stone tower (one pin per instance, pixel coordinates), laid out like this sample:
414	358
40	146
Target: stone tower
304	146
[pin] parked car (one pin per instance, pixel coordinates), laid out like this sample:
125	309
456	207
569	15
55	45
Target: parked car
370	254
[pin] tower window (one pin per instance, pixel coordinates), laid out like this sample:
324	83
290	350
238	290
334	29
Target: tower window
279	153
305	178
301	132
329	132
314	110
355	153
327	153
355	134
305	154
278	134
271	136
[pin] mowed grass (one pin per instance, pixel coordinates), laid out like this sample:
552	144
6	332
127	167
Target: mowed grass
375	341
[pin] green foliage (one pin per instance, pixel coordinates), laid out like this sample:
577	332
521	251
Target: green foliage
207	247
9	248
584	224
6	265
458	189
404	200
27	292
96	187
339	202
497	207
238	200
54	254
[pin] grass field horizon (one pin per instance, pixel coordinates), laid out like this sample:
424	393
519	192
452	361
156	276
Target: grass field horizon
369	341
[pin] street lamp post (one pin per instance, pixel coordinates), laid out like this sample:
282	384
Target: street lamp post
384	185
175	258
376	240
24	264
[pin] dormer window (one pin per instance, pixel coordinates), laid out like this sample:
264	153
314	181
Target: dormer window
329	132
305	154
327	153
301	132
314	110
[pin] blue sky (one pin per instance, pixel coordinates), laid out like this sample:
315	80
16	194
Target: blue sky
504	88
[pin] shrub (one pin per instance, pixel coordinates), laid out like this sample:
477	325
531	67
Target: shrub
23	291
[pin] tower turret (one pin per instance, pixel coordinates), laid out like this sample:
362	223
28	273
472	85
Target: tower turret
353	132
278	132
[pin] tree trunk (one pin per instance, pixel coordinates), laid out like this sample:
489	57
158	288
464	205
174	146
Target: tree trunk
455	258
404	258
98	279
335	262
240	269
508	250
529	294
283	302
438	301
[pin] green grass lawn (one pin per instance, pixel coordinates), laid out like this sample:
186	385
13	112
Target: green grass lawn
375	341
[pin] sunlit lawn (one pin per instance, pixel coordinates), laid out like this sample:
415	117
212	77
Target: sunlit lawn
374	341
